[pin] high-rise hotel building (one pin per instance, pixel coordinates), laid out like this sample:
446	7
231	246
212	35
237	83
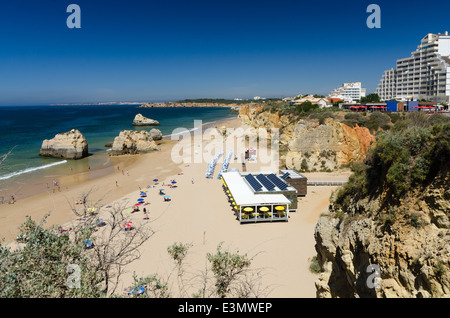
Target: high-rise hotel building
423	75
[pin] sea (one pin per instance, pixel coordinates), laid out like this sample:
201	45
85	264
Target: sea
23	128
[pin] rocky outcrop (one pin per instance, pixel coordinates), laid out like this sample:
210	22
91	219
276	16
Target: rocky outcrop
68	145
327	146
156	134
310	145
133	142
140	120
411	248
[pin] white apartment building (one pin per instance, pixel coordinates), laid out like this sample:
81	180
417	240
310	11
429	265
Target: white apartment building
423	75
349	92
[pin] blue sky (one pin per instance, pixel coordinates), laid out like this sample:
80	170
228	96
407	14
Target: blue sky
140	50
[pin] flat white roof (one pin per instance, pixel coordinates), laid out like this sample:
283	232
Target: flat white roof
243	195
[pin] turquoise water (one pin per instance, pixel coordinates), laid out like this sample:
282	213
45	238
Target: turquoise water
23	128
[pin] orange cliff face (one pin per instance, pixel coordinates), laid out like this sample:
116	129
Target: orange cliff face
326	147
356	142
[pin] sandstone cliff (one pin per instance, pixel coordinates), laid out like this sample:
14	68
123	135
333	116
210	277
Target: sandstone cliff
133	142
412	253
68	145
307	144
327	146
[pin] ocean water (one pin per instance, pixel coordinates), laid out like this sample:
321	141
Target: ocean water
23	128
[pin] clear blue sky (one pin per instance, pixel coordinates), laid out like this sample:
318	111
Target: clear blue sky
139	50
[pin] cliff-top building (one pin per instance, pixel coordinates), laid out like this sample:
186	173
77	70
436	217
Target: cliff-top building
349	92
423	75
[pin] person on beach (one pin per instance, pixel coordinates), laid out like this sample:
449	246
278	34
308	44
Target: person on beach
192	180
146	215
117	184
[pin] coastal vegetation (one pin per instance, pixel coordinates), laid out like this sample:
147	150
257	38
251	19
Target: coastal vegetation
87	260
392	212
407	158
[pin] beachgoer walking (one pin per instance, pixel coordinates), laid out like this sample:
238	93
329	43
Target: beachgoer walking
146	215
117	184
192	180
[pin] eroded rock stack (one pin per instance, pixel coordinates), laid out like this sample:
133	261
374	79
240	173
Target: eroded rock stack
68	145
133	142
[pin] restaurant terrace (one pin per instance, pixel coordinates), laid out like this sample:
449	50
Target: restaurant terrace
251	200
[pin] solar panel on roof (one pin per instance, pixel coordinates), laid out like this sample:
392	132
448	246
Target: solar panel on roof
284	176
253	182
265	182
277	181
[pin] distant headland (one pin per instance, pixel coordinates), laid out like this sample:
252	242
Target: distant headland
205	102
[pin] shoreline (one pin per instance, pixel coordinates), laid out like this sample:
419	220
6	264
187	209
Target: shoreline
38	184
41	188
199	213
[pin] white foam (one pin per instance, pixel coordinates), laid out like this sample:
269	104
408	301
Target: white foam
13	174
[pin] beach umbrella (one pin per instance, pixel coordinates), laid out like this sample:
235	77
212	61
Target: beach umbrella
138	204
140	200
139	290
166	196
88	243
248	209
264	209
280	208
155	180
174	182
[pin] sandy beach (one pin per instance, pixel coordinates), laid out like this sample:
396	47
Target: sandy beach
198	214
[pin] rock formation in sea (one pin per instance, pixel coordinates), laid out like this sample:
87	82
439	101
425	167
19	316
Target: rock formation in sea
156	134
67	145
133	142
140	120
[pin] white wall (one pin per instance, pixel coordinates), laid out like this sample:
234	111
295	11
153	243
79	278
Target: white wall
444	46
